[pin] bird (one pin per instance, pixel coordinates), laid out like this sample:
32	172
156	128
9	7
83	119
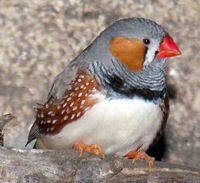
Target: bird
112	98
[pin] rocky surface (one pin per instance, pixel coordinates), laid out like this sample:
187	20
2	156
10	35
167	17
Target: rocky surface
38	38
36	166
4	120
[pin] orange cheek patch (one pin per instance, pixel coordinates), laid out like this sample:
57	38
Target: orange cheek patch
129	52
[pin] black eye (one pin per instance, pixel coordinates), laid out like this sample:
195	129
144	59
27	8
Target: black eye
146	41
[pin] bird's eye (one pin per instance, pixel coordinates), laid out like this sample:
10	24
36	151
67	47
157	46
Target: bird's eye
146	41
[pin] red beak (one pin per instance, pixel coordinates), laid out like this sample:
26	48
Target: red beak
168	48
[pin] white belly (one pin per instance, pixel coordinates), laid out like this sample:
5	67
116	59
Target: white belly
117	126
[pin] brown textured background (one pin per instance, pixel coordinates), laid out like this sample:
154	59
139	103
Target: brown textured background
38	39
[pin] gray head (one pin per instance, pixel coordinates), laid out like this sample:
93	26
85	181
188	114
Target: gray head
134	42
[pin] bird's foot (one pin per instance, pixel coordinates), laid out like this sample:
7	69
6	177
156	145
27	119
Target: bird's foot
138	155
92	148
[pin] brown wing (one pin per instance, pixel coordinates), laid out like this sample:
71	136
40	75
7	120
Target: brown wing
56	113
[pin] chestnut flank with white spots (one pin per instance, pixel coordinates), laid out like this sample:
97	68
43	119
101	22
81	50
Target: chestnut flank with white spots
52	117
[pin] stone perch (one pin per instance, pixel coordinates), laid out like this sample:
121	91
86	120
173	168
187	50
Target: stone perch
49	166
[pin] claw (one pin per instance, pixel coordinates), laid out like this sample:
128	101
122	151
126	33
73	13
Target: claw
138	155
92	148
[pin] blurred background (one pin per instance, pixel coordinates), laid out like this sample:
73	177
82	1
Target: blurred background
38	39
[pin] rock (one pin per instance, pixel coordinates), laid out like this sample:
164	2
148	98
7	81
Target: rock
4	120
65	166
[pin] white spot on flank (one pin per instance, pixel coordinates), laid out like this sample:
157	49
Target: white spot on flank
42	115
47	105
58	107
74	108
82	86
54	121
82	102
41	122
68	110
76	89
81	76
79	80
78	114
73	115
72	93
80	94
53	114
62	102
48	121
65	118
94	89
66	96
63	111
50	112
71	104
69	98
52	128
64	105
87	83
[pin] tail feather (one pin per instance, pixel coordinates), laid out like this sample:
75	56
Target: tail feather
33	134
